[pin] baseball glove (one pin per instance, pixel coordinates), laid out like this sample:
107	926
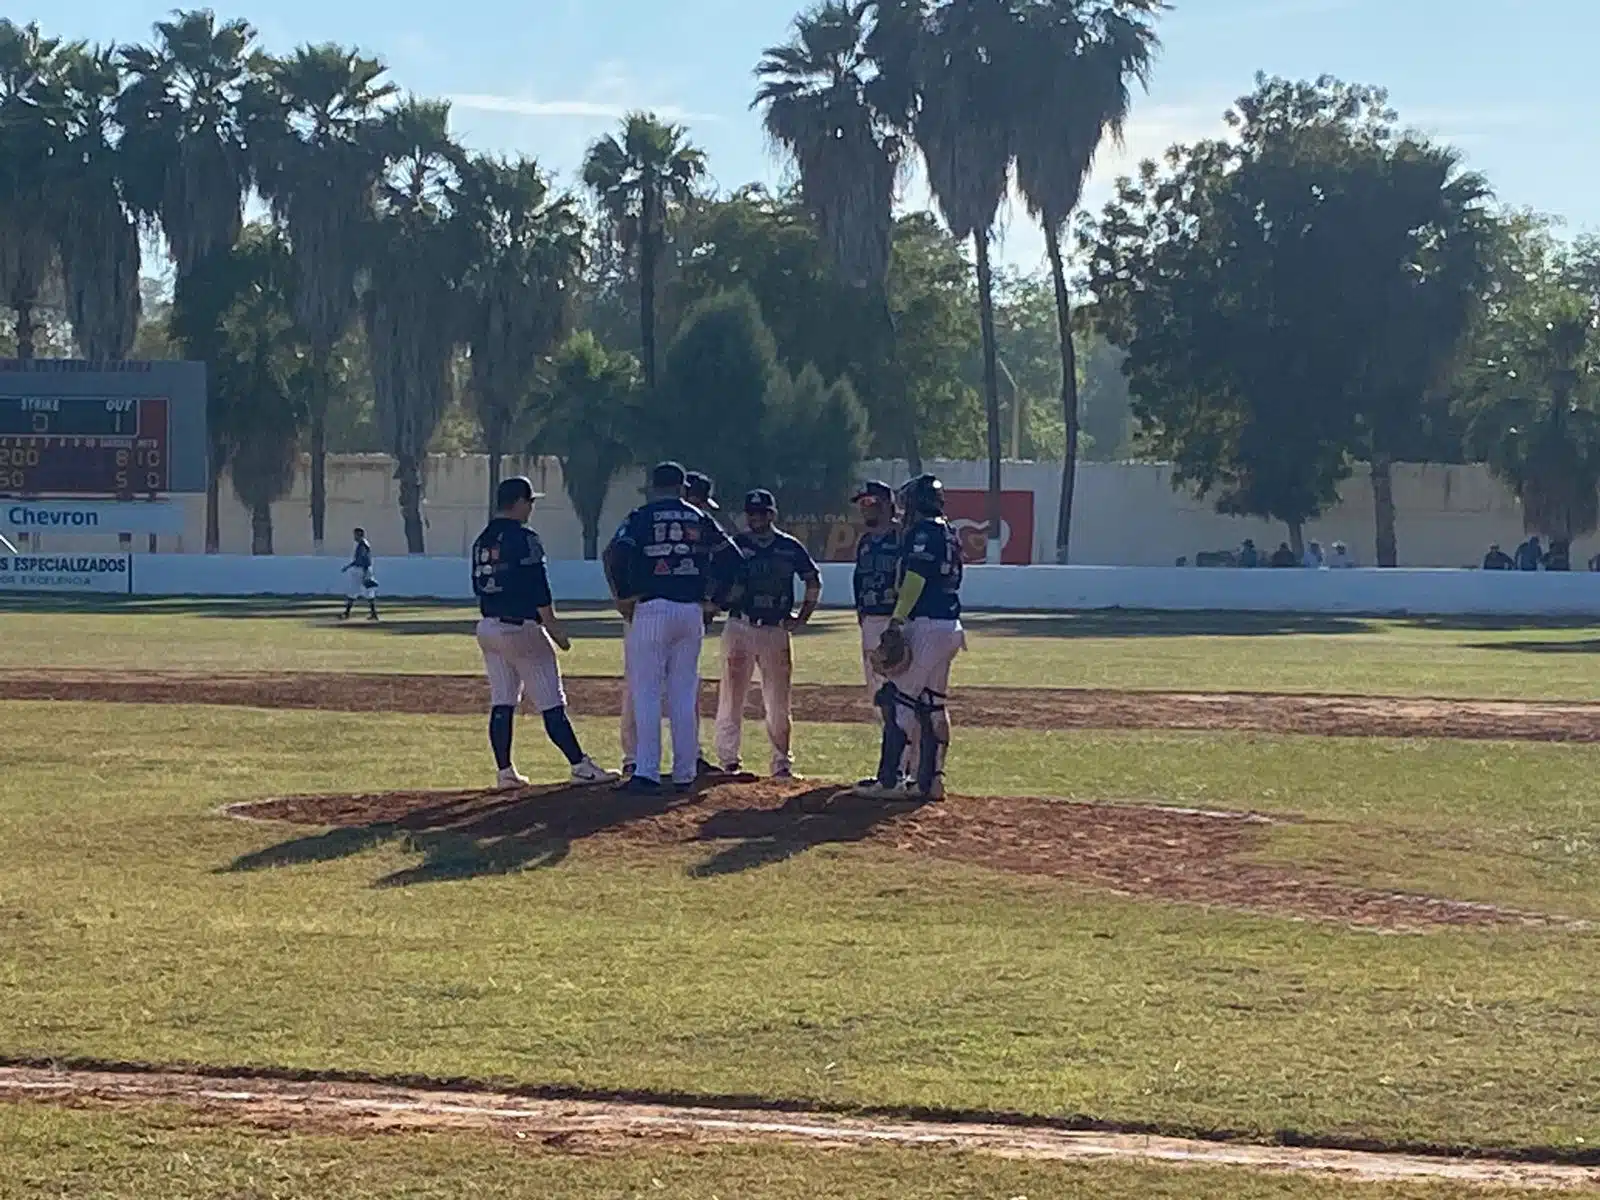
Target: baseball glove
893	654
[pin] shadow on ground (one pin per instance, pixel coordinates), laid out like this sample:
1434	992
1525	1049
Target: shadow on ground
1576	646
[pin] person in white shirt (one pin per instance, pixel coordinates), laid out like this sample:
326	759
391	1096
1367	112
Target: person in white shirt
1313	558
1340	558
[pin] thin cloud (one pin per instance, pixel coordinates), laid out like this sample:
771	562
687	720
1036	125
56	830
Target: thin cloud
579	110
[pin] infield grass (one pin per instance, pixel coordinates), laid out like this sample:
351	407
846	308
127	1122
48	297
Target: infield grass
1167	651
843	975
173	1154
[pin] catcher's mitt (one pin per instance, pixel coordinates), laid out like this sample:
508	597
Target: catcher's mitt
893	654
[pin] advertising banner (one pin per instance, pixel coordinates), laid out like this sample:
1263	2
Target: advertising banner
832	537
106	573
91	516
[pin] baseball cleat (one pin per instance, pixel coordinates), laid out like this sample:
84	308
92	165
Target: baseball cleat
682	785
702	768
873	790
934	792
627	770
510	779
787	775
588	771
641	785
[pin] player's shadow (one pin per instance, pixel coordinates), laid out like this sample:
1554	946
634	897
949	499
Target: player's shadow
765	837
470	836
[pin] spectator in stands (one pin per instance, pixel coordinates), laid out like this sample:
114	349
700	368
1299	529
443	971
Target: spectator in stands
1248	557
1594	563
1498	560
1340	559
1283	556
1530	554
1560	556
1314	559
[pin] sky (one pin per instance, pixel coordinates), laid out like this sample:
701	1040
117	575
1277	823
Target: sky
547	77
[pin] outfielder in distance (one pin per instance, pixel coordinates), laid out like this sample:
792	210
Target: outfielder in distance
915	653
757	637
669	562
519	633
697	490
359	581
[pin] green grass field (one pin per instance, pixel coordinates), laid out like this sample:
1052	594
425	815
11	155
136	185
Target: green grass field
843	975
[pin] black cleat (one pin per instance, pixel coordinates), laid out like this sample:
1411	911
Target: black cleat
638	785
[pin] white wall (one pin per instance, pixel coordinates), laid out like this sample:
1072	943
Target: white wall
1125	514
1038	588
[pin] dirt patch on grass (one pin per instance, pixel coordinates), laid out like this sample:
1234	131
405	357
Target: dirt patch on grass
1161	853
1017	708
573	1124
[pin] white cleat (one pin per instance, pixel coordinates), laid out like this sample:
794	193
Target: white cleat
589	771
511	779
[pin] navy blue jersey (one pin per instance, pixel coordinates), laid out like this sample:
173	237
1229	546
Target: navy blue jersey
508	571
765	588
933	550
363	556
877	578
670	550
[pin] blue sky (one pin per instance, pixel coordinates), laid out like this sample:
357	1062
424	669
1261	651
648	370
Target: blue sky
547	76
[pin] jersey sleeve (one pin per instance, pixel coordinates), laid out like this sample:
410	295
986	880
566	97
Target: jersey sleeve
535	573
804	565
618	557
923	552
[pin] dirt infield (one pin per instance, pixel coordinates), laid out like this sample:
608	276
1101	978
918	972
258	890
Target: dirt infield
1018	708
570	1125
1162	853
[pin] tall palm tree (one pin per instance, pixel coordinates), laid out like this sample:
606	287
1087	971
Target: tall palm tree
417	258
314	142
638	179
32	145
527	257
841	116
184	156
1075	66
963	126
96	234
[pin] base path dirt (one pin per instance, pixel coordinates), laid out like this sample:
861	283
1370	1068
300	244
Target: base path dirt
575	1125
1016	708
745	824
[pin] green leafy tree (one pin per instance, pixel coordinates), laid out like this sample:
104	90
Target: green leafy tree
33	115
418	258
1074	66
526	252
592	410
315	122
639	178
816	437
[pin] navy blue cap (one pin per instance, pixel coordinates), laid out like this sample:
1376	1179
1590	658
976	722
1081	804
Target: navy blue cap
760	500
873	488
698	486
666	475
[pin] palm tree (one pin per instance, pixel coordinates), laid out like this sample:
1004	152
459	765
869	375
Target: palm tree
417	255
841	117
963	126
313	139
32	144
638	180
184	157
96	234
1077	61
527	256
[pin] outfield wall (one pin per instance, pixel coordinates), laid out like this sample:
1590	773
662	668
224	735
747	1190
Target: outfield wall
1037	589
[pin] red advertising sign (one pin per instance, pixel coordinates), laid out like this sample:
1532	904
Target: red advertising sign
832	537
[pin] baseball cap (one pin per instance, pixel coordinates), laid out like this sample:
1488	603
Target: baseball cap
873	488
510	491
666	475
698	486
760	500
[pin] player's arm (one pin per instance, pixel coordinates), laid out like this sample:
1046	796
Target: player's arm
618	563
921	564
724	564
806	568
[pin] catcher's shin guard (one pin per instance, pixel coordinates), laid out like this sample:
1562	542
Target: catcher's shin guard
935	737
889	699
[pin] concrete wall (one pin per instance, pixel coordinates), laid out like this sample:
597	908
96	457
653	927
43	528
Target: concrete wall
1038	588
1126	515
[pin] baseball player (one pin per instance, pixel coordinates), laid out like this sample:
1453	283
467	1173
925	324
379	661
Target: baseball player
519	633
668	562
697	490
918	646
761	619
877	577
359	581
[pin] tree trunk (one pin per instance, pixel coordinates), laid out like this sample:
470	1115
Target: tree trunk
26	330
1297	541
213	509
591	540
1383	508
991	387
408	472
913	451
895	382
647	284
261	529
1069	394
319	459
494	441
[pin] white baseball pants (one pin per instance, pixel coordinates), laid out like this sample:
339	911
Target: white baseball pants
520	658
872	629
747	648
934	646
663	665
627	730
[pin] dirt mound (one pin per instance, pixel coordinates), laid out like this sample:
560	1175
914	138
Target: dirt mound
1017	708
1162	853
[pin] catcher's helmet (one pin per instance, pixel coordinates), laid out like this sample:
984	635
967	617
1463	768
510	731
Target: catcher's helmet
923	496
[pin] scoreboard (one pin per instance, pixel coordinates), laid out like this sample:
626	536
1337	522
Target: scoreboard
84	445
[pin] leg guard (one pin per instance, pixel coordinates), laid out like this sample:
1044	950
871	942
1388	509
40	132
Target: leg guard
889	699
935	737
